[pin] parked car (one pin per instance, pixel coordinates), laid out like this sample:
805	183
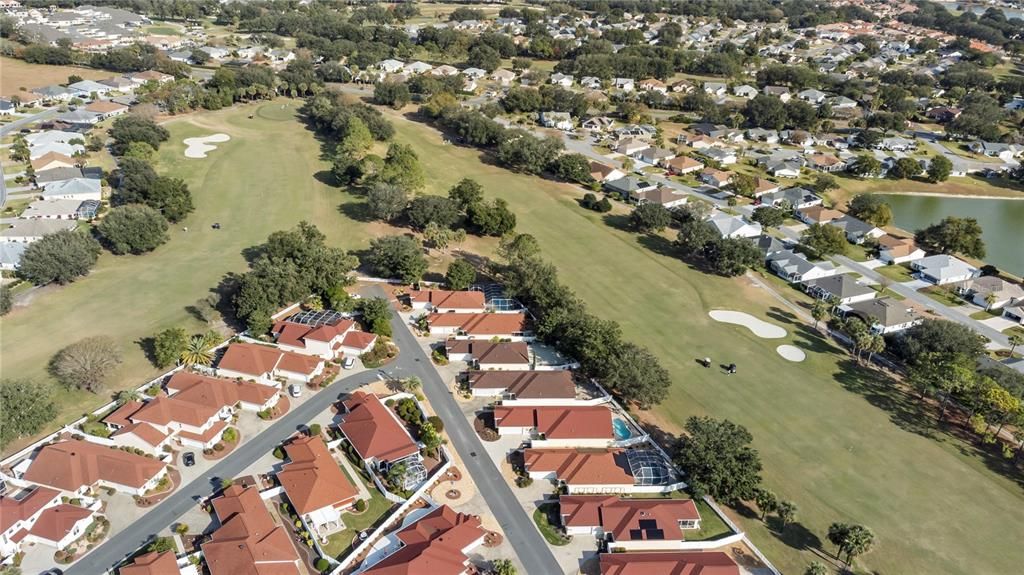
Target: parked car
349	363
294	390
189	459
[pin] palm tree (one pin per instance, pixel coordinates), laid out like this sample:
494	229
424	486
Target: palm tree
411	384
126	395
877	345
1015	340
819	312
199	350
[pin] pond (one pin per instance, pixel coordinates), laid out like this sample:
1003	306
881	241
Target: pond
1002	223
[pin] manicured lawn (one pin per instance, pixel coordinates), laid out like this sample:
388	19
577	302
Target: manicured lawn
986	314
898	273
959	186
340	543
711	525
551	533
858	253
943	296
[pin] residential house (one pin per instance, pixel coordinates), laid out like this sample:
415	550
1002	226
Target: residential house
61	209
54	93
89	89
991	292
418	68
631	146
630	524
80	117
812	96
744	91
769	245
801	138
563	80
662	195
598	124
780	92
61	148
81	189
842	288
943	269
668	563
943	114
557	426
883	315
52	160
265	364
503	77
842	103
796	198
1004	152
724	156
590	82
391	66
10	254
59	526
75	466
537	387
560	120
715	88
783	168
487	355
375	432
28	231
795	268
445	301
857	231
444	70
817	214
439	543
479	325
157	563
655	156
605	173
601	470
825	163
698	142
682	86
247	538
763	186
315	485
895	250
730	226
715	178
681	165
897	144
763	135
653	85
141	78
326	341
7	108
629	186
50	137
19	513
106	109
1014	312
624	84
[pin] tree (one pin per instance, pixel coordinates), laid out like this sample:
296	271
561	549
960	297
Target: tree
905	168
131	128
397	257
60	257
86	363
6	301
766	501
503	567
769	216
694	235
649	217
823	240
816	568
133	229
820	311
161	544
485	57
200	57
718	459
198	349
394	94
731	257
168	346
402	168
744	184
376	315
1014	340
933	338
953	235
385	201
427	209
872	209
824	183
939	169
356	138
461	275
786	511
766	111
635	374
170	196
430	438
518	247
573	168
26	407
866	166
466	193
140	151
522	151
494	219
858	541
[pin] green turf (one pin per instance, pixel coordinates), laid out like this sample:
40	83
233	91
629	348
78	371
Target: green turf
339	544
550	532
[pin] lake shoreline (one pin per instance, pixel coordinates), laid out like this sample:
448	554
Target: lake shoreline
945	195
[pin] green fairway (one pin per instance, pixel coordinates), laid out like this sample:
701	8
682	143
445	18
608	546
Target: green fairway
841	445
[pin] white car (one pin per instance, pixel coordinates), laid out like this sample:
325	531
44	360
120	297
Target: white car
294	390
349	363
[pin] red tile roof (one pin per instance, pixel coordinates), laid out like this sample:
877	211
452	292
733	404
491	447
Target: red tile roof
202	389
13	510
295	334
433	545
445	299
670	563
152	564
374	430
359	339
56	522
248	541
143	431
207	436
259	360
486	324
312	478
119	416
70	464
163	410
527	384
514	352
622	517
559	422
581	466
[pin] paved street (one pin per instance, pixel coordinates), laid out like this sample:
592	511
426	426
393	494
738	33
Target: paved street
19	124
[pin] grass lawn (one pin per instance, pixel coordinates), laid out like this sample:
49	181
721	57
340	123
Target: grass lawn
943	296
18	74
899	273
339	544
541	516
858	253
986	314
164	29
959	186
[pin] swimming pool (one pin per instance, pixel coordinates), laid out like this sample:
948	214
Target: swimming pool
621	429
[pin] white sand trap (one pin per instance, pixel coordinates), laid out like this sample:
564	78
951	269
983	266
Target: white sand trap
197	147
791	352
759	327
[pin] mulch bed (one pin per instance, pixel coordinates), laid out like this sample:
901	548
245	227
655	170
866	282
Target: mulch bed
282	407
492	539
483	424
228	448
453	494
151	500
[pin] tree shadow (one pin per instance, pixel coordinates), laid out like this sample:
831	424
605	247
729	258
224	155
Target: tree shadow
148	347
358	211
745	510
327	178
436	277
225	291
882	392
794	535
618	221
659	245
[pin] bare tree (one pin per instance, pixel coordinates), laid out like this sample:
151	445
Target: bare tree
87	363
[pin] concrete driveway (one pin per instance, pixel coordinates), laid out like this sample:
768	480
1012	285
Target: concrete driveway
916	284
1000	323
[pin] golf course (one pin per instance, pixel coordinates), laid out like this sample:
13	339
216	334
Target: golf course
835	438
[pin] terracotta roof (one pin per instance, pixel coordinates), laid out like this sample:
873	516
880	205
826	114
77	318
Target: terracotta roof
13	510
163	410
258	360
56	522
105	106
197	388
71	464
629	519
374	430
527	384
119	416
491	352
152	564
581	466
897	246
359	339
820	214
248	542
601	169
298	363
312	478
433	545
669	563
559	422
143	431
683	163
49	157
207	436
486	324
295	334
150	75
449	299
763	186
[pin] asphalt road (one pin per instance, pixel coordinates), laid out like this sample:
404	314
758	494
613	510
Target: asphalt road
105	557
21	123
520	531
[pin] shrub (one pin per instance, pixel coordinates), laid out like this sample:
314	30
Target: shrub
218	446
279	453
230	435
436	422
314	430
360	505
322	565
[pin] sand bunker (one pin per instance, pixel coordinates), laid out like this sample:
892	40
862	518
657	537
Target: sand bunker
759	327
197	147
791	352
